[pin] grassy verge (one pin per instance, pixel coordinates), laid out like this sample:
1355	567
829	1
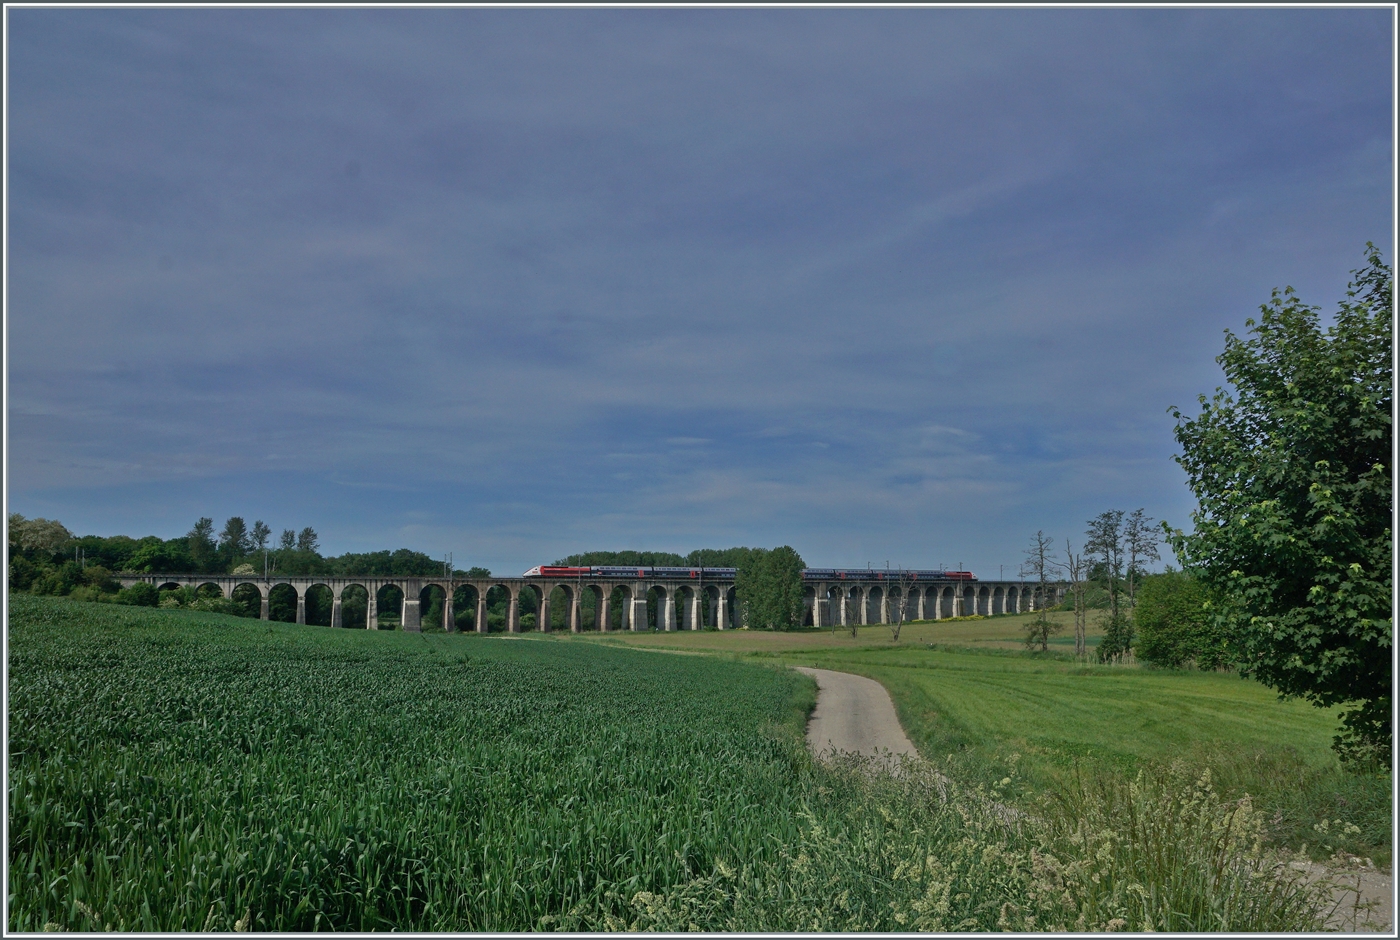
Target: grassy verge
973	700
178	771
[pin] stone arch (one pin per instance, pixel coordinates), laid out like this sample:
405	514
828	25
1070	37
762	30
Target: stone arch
169	586
661	610
432	607
928	602
500	605
529	599
967	601
709	605
465	599
558	606
874	603
353	607
619	602
320	604
688	617
592	606
997	600
249	598
388	606
983	602
809	606
282	602
208	589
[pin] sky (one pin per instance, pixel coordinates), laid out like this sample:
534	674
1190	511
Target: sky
890	286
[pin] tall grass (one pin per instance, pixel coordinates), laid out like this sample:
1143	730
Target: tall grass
176	770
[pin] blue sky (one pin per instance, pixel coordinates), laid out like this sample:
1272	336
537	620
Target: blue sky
897	285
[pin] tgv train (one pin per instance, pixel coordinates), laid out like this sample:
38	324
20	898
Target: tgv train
727	574
620	571
871	574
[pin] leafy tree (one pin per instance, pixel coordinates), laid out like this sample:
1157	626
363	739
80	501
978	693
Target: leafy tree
476	572
1292	476
769	590
1039	564
160	557
140	594
234	538
307	540
259	536
288	541
43	535
201	544
22	573
1174	624
1105	542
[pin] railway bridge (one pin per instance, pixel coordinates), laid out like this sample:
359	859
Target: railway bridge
680	603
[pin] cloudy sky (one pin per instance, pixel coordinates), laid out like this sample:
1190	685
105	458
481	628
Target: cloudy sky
897	285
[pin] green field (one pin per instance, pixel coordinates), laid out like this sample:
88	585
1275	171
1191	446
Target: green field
972	700
177	771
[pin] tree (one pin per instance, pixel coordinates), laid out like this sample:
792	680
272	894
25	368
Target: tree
769	589
1105	543
1174	625
1292	478
201	544
1077	569
1140	542
288	541
44	535
1039	563
308	542
905	582
234	538
260	535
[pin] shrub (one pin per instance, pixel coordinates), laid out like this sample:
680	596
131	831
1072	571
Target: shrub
140	594
1174	626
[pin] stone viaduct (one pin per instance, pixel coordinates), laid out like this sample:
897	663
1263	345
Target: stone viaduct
701	603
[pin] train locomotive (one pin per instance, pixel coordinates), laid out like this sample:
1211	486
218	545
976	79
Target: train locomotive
621	572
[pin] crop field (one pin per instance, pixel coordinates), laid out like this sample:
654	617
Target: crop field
179	771
972	699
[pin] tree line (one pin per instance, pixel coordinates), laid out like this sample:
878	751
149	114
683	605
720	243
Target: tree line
46	558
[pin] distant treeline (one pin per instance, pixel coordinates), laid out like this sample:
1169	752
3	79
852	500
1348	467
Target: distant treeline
46	558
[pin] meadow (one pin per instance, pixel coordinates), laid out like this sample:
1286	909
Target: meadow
179	770
974	700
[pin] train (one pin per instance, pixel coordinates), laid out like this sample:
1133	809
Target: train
614	572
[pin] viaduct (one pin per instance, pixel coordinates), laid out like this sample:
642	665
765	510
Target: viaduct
702	604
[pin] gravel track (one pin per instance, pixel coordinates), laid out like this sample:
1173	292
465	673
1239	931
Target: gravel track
854	713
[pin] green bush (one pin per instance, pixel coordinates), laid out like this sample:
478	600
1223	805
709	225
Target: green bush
140	594
1174	627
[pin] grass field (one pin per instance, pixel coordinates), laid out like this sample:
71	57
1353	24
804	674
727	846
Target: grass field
178	771
974	701
1003	632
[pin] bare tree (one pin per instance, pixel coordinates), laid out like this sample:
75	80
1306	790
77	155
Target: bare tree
1039	563
1076	569
1105	543
903	580
1140	541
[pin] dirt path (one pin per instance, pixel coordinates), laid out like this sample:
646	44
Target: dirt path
854	714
